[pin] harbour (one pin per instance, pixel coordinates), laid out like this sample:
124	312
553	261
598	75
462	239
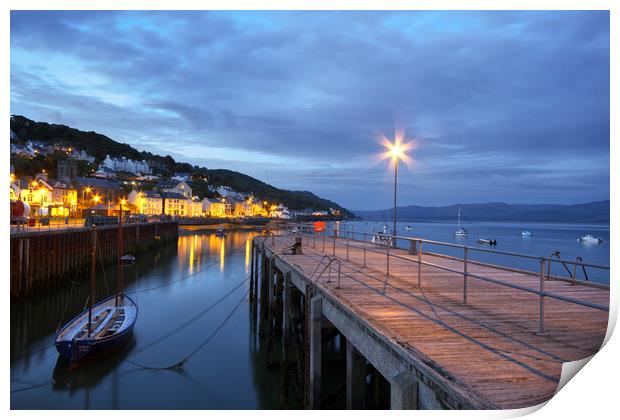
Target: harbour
264	349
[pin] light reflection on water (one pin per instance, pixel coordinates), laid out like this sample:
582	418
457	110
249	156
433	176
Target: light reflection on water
228	372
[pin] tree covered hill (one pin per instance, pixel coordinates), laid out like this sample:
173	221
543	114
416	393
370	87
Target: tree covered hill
99	145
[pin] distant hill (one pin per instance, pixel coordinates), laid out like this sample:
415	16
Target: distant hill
99	145
595	212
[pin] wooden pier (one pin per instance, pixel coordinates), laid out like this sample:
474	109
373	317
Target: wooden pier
44	260
437	333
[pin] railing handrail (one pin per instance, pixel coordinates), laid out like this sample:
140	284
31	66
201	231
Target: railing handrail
474	248
465	273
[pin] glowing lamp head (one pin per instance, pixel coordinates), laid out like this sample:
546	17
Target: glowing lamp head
96	199
396	151
123	202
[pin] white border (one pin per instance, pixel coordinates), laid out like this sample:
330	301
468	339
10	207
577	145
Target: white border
591	395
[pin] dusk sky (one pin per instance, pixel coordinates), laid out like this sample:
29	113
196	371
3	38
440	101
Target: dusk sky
501	106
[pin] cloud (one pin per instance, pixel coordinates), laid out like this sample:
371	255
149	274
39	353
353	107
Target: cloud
486	95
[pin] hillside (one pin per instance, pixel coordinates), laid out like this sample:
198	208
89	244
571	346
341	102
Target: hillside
595	212
99	145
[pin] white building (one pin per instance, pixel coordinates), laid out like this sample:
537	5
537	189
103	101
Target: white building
126	165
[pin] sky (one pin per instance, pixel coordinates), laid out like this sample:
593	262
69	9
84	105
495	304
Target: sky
498	106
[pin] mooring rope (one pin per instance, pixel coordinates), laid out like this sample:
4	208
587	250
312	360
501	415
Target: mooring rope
206	267
179	365
193	318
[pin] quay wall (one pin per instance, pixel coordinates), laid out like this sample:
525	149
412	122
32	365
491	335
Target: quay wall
43	260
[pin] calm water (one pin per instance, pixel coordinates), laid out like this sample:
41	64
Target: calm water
229	371
546	239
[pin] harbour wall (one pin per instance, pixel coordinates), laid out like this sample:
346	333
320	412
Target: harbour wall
43	260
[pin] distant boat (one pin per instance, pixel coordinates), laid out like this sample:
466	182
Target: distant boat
382	238
590	239
526	234
105	325
460	231
220	232
408	227
128	259
487	241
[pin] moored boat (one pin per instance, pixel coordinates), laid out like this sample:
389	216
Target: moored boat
408	227
102	328
128	259
105	325
526	234
460	231
487	241
381	237
220	232
590	239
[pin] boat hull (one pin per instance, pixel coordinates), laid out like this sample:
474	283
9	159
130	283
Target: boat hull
79	349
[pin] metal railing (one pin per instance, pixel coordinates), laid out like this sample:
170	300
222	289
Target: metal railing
360	240
49	224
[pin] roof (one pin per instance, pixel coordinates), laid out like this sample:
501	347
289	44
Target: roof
169	184
151	194
98	183
173	195
60	184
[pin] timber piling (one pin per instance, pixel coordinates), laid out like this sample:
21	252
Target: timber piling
42	261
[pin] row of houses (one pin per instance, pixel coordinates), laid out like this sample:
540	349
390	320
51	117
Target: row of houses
175	199
69	196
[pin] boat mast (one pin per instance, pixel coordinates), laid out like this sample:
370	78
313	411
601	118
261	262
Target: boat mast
119	267
93	268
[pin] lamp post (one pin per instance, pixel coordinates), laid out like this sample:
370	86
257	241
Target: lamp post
396	152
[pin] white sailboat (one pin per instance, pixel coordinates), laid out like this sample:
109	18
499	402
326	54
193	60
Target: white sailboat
460	231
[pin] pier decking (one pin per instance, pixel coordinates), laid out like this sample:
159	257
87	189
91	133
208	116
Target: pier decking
436	350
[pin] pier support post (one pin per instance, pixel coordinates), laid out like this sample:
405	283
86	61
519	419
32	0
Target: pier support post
264	304
270	290
286	306
279	304
356	378
285	367
252	293
403	391
316	314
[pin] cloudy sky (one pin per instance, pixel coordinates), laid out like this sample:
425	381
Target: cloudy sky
500	106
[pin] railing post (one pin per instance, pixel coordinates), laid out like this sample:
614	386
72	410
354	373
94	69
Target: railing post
387	270
347	248
364	265
339	270
465	274
334	242
324	231
541	314
420	263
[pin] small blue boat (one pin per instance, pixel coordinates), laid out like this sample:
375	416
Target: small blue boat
111	325
105	325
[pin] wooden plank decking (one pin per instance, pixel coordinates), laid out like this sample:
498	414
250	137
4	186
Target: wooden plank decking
490	345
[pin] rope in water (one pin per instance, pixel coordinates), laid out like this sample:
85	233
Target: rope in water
179	365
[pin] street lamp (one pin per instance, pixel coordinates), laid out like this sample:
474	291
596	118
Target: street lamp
396	151
87	189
